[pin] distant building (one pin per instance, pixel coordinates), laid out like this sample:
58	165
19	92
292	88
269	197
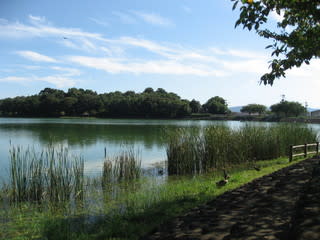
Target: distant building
315	114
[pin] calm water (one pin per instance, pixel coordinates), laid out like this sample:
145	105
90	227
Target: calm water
89	137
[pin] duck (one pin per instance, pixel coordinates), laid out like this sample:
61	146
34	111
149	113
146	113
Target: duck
225	174
223	181
256	168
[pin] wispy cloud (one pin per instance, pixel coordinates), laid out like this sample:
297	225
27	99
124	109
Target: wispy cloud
153	18
39	28
68	72
57	80
100	22
37	57
122	55
115	66
37	19
125	17
186	9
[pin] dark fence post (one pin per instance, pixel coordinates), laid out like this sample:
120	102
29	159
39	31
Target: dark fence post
290	153
105	152
305	150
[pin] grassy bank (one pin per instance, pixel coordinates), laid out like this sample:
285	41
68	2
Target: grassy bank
131	213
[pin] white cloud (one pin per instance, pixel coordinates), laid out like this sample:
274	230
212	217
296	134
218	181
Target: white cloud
238	53
124	17
37	57
129	54
13	79
186	9
114	66
32	67
254	66
57	80
41	29
153	18
68	72
37	19
152	46
100	22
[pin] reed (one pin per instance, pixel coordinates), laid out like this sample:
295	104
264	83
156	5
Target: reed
125	166
185	152
191	151
51	175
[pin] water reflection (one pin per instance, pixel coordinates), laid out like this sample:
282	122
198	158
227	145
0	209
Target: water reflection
89	137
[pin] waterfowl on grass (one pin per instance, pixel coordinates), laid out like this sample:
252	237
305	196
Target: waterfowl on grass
225	174
222	182
225	180
256	168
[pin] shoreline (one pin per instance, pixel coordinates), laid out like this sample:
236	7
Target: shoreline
194	118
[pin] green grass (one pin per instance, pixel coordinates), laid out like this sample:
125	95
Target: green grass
133	213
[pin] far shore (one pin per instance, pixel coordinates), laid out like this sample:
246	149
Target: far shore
212	117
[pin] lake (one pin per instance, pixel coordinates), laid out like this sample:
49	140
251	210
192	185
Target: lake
89	137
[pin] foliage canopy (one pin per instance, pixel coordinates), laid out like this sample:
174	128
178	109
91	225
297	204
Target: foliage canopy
216	105
288	109
297	39
254	108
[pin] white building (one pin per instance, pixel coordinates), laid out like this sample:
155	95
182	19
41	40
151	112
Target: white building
315	114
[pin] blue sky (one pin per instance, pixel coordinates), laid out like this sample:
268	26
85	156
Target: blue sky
184	46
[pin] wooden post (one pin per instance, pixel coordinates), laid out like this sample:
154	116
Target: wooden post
317	148
305	150
290	153
105	152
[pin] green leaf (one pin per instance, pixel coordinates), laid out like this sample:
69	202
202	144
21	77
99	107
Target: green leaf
235	5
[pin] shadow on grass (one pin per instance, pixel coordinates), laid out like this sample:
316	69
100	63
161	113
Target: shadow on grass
132	225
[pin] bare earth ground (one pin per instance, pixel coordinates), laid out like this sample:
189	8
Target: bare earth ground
282	205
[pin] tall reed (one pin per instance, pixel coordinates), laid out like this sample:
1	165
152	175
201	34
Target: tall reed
191	151
124	167
50	175
185	151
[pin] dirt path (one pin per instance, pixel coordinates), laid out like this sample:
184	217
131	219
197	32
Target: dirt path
282	205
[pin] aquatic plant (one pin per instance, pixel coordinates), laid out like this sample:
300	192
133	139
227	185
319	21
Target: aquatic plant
125	166
50	175
191	151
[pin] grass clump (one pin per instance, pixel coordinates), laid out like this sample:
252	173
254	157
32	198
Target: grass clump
123	167
191	151
51	175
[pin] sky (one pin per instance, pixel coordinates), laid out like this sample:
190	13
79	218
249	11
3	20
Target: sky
184	46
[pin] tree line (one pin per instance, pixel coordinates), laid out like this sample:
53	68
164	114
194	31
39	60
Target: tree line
79	102
282	109
148	104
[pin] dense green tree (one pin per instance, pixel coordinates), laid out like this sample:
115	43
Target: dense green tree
195	106
216	105
51	101
80	102
296	40
148	90
288	109
254	108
